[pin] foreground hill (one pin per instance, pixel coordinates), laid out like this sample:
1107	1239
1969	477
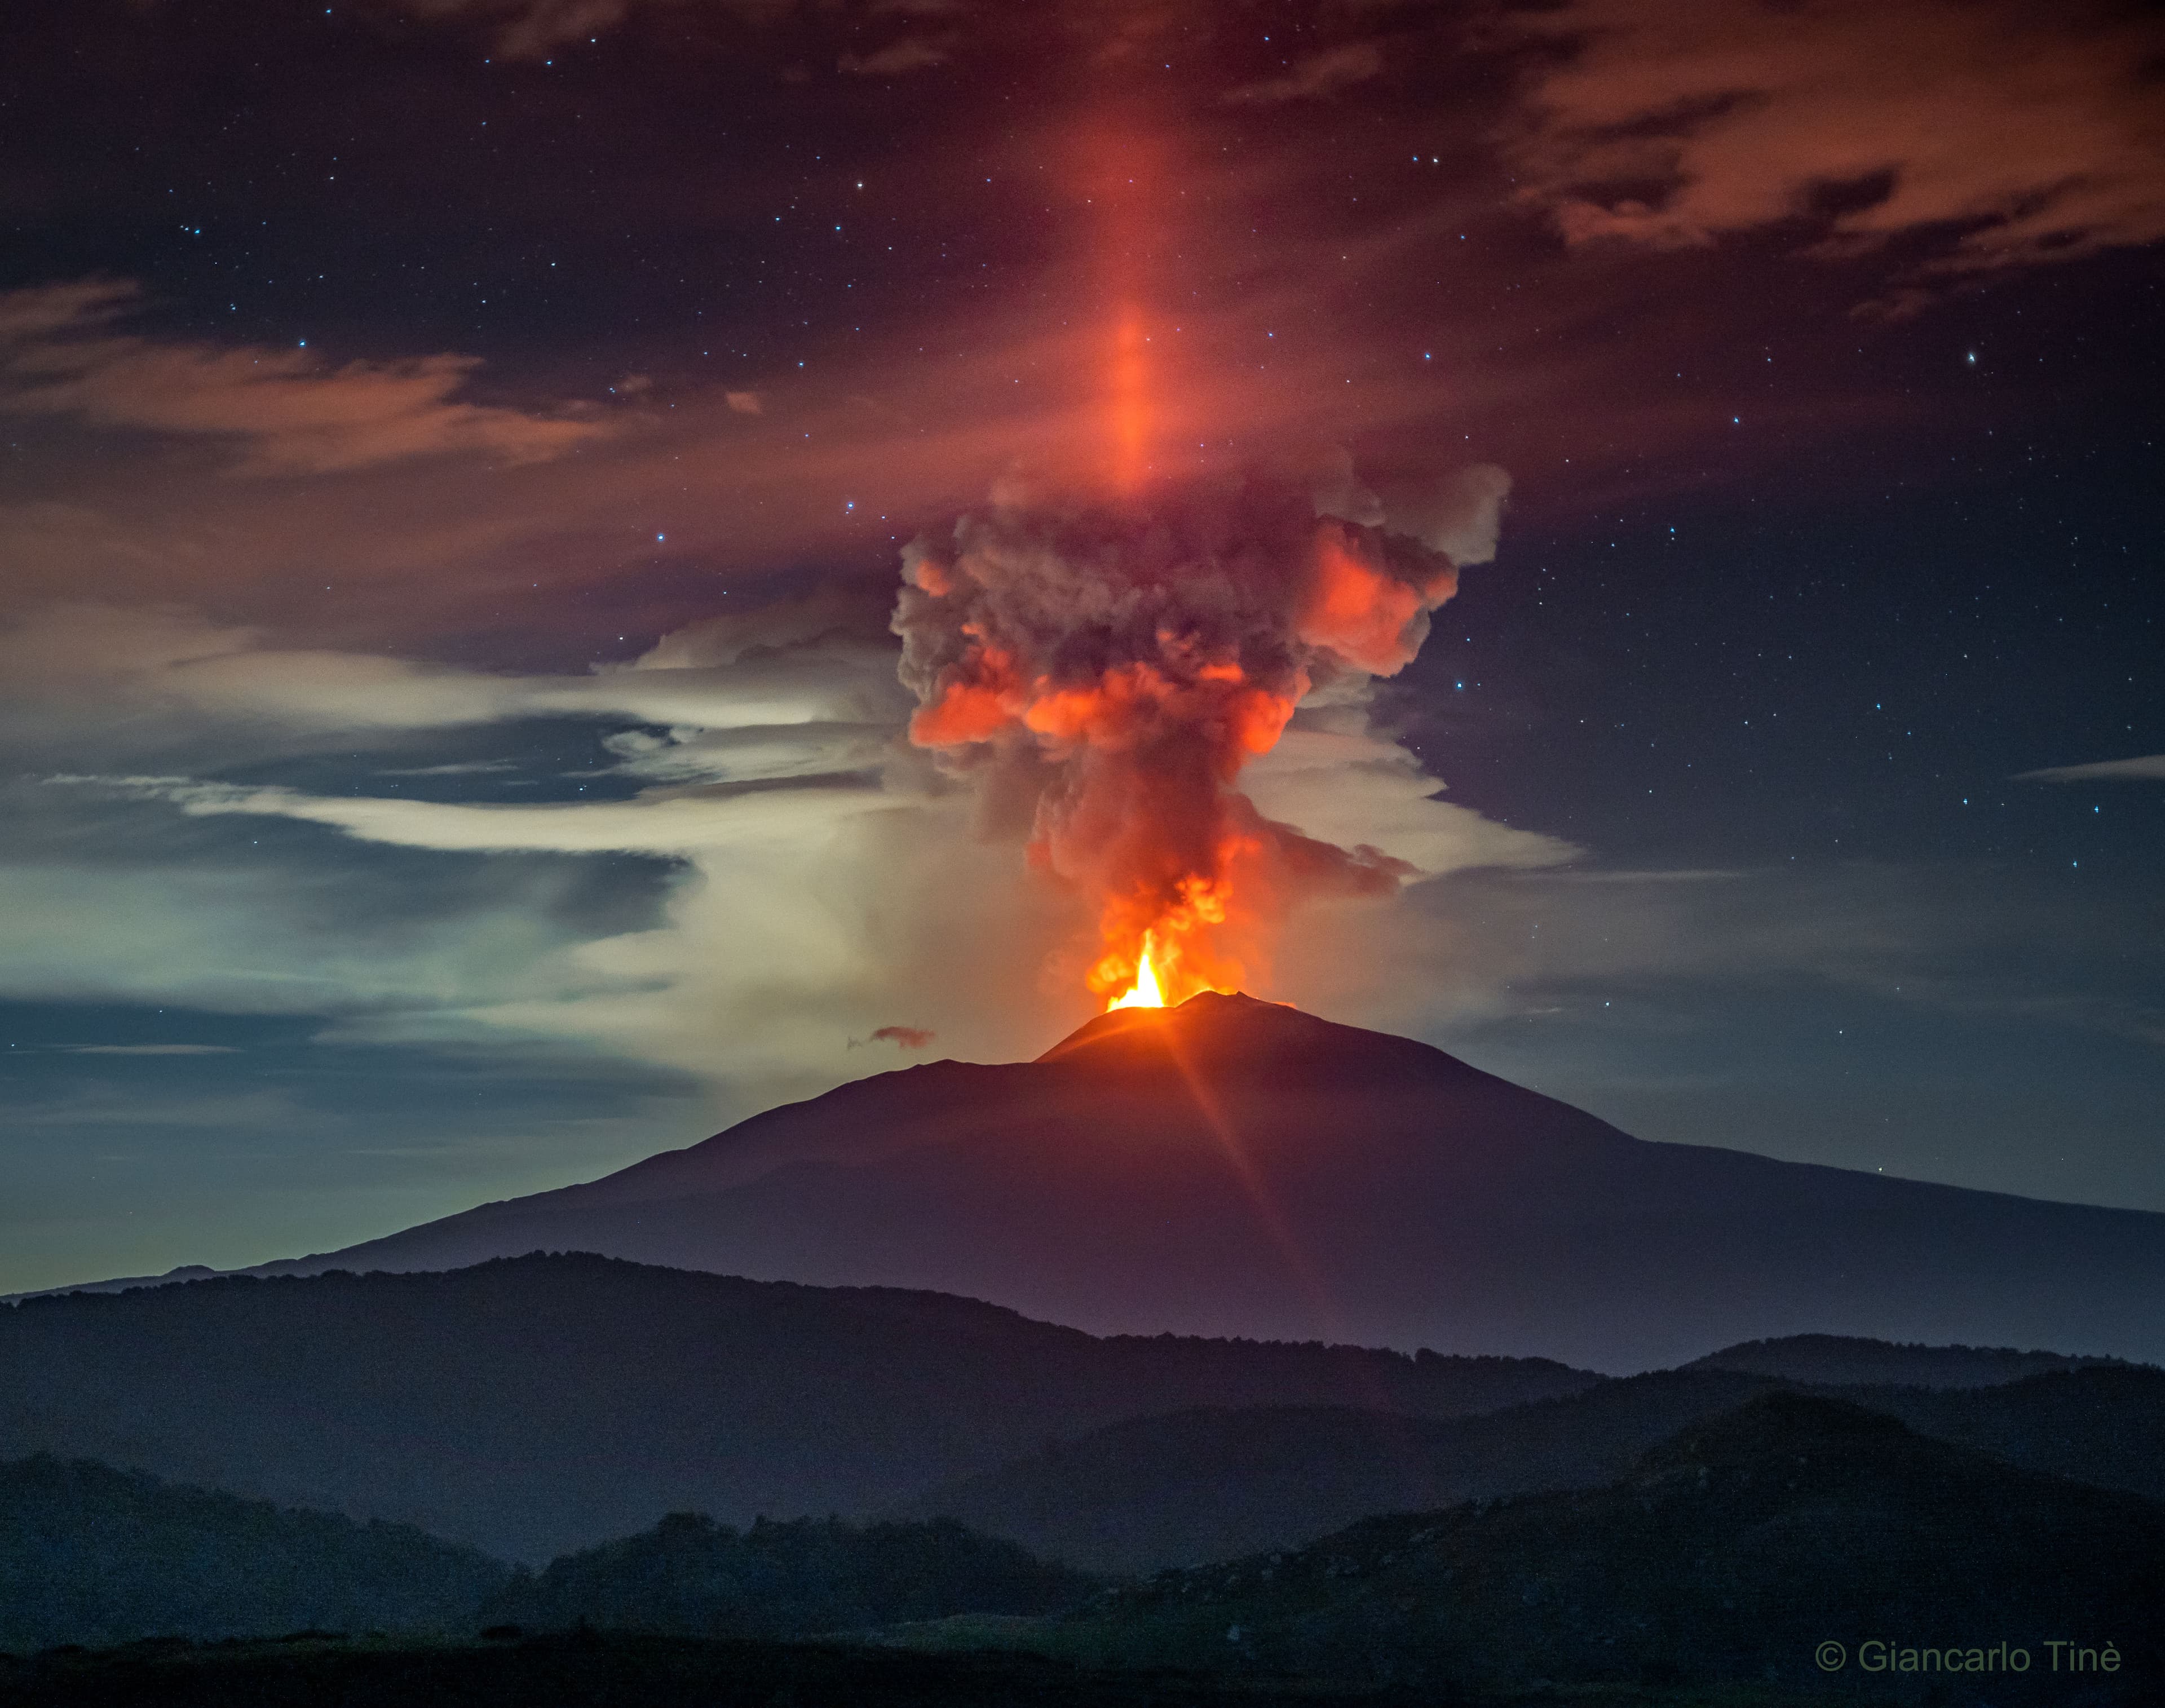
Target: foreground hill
1730	1553
1214	1483
541	1404
89	1554
1234	1168
689	1576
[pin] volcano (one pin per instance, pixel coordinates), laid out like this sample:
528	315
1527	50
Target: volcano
1236	1168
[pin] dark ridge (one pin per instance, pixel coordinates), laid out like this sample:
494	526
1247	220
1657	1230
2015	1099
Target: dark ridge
95	1556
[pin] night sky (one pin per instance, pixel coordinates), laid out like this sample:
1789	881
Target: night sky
458	455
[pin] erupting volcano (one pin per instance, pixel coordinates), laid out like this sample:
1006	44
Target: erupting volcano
1103	670
1234	1167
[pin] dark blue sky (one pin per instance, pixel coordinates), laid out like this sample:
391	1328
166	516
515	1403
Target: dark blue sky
453	470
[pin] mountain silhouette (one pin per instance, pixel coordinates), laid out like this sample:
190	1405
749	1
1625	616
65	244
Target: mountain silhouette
1238	1168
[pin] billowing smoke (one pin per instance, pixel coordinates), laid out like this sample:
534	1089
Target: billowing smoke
903	1037
1106	669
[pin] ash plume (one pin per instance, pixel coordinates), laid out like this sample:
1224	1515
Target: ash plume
1105	669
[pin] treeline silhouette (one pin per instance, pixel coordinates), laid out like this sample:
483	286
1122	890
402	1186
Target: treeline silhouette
93	1555
691	1576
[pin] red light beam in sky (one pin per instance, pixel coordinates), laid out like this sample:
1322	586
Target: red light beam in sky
1121	172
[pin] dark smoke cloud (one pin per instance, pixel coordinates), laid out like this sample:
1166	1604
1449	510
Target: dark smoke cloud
1108	668
908	1037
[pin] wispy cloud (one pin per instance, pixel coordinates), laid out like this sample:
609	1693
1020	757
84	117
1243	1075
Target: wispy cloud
148	1049
902	1037
898	59
528	28
287	411
2146	768
1314	78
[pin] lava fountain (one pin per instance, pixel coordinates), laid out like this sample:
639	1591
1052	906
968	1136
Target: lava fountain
1144	993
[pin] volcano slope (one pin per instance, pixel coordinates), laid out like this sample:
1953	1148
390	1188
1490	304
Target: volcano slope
1233	1167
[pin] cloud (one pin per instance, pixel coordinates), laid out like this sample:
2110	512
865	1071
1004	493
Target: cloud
820	619
28	315
679	824
2148	767
289	411
74	663
1317	77
744	402
803	874
2025	134
1460	515
905	1037
238	930
527	29
913	53
467	768
1339	780
149	1050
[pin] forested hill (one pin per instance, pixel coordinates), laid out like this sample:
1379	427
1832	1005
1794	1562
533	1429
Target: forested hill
93	1555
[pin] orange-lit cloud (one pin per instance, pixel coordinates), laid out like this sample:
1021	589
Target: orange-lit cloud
898	59
1315	77
286	411
2029	134
528	28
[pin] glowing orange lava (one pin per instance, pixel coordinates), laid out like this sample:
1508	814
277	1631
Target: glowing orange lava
1144	993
